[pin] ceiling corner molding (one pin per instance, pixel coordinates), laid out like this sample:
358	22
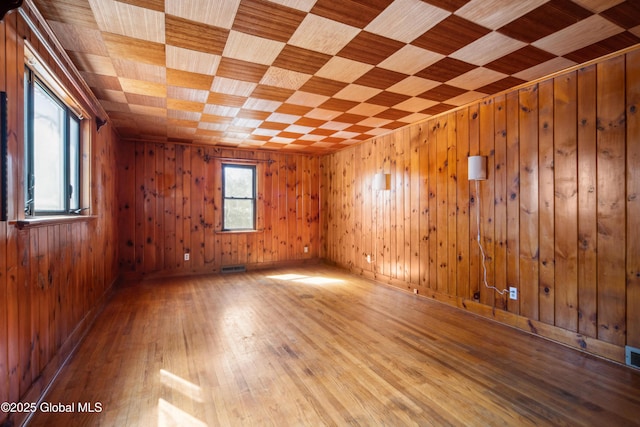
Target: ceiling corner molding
9	5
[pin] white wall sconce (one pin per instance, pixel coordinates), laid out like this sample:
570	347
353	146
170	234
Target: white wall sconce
477	168
382	181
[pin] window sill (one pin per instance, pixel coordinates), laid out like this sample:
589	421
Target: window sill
43	221
239	231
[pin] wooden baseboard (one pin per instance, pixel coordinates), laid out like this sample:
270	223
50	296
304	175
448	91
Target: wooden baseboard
38	390
133	276
571	339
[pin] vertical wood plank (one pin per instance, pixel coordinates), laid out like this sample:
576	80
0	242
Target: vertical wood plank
307	209
21	373
475	262
433	127
513	200
282	210
187	177
14	293
500	201
388	194
546	292
441	200
36	293
44	290
462	201
452	204
126	205
378	210
150	208
360	189
178	261
566	201
414	167
255	241
292	238
197	207
368	209
529	226
633	197
315	207
212	175
486	202
158	217
275	212
349	203
267	204
140	195
406	202
396	186
424	207
399	191
611	196
169	212
300	206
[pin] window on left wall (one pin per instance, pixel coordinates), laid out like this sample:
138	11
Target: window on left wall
52	151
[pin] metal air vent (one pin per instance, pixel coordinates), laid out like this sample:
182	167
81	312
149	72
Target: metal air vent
633	356
233	269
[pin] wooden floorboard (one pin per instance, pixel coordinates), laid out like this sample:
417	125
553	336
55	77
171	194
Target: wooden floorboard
317	346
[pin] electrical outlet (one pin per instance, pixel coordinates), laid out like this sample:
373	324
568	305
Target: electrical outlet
186	256
369	258
306	249
415	291
513	293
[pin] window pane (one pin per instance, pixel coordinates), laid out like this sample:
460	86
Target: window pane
74	163
48	157
238	182
238	214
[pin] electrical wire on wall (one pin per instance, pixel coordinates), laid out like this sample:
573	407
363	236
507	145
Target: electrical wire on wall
484	257
478	171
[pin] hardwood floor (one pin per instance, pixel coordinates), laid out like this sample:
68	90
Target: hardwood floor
317	346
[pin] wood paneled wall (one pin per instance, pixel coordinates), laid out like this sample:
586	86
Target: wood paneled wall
170	203
53	276
559	212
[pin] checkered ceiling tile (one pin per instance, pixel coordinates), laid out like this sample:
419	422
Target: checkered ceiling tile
318	75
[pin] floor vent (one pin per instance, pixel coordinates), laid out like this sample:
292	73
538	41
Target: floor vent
633	356
233	269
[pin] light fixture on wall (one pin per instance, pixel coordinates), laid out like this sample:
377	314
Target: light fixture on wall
477	168
382	181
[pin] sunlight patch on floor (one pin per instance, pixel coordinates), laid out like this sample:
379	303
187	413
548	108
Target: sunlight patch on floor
287	276
169	415
318	280
181	385
309	280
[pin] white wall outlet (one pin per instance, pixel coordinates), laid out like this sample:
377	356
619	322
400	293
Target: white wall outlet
186	256
415	291
369	258
513	293
306	249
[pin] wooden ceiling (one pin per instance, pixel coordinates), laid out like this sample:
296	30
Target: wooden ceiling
316	76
